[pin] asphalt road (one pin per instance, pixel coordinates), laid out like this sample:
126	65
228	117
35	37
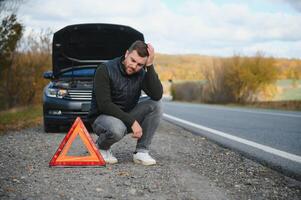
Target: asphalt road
269	136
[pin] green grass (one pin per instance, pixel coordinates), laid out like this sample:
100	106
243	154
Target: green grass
18	118
286	83
289	94
289	91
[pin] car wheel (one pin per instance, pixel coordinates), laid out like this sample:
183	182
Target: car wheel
50	128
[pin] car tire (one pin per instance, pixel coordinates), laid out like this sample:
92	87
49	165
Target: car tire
50	128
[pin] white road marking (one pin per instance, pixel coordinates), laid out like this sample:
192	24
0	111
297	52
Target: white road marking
265	148
246	111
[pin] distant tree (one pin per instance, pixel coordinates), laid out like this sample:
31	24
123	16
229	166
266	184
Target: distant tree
10	34
247	77
32	62
215	90
10	31
240	79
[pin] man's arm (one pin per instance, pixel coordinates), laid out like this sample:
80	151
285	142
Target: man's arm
104	100
151	84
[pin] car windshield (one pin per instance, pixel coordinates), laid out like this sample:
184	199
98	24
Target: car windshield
82	72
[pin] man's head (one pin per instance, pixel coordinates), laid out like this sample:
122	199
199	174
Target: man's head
135	57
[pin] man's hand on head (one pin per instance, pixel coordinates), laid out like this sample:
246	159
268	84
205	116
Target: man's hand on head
151	52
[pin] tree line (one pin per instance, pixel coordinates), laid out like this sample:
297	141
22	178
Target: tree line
24	58
237	79
22	63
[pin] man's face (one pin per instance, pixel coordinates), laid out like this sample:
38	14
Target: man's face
133	62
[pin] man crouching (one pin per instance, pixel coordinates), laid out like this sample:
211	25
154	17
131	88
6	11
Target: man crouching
115	107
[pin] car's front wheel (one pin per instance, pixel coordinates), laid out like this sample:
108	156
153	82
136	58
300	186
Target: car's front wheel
50	128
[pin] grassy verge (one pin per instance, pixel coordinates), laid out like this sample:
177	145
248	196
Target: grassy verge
278	105
19	118
294	105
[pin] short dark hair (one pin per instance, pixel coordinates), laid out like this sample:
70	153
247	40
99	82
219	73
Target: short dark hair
140	47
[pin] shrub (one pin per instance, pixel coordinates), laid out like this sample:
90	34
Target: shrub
22	84
186	91
247	77
240	79
215	90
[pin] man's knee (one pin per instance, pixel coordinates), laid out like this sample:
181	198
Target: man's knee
112	127
117	130
156	107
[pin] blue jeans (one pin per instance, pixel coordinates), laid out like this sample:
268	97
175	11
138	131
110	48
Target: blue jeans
111	129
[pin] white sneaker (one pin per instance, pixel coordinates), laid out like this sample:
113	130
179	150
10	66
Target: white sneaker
108	156
143	158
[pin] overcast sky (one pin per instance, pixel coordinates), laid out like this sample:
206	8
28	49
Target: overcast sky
207	27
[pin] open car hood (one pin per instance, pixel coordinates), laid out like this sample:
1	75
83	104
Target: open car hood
82	44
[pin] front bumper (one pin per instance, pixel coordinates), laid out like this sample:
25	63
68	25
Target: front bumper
63	112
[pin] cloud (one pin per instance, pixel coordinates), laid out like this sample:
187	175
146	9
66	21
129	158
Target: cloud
204	27
276	48
296	4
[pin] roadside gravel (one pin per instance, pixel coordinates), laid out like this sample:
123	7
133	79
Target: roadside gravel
189	167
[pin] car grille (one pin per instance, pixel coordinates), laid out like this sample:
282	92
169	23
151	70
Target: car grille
79	95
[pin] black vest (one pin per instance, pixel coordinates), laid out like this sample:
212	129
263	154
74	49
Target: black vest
125	89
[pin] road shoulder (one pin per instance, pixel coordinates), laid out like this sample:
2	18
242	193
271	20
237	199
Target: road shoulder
189	167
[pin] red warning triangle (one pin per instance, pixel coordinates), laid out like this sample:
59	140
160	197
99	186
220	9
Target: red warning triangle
61	158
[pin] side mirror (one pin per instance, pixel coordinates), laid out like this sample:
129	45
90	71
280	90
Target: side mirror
48	75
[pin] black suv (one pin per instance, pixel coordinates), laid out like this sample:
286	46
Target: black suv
77	51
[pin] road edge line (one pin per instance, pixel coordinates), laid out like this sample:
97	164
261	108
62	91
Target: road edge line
262	147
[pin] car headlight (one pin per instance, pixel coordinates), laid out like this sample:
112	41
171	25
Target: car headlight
55	92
